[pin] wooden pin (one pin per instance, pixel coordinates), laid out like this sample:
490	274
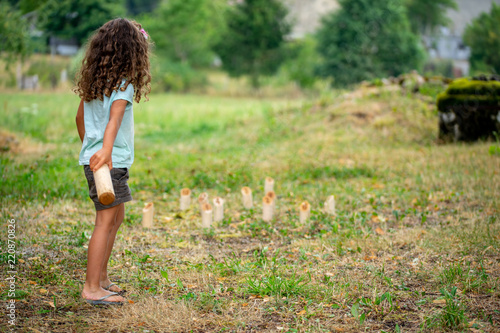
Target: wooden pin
267	209
206	215
185	198
246	192
104	185
147	215
218	209
305	212
202	199
330	205
272	195
269	185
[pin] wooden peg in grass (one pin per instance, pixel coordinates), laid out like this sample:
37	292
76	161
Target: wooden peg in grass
267	209
305	212
147	215
104	185
185	198
206	215
330	205
218	209
246	192
269	185
272	195
202	199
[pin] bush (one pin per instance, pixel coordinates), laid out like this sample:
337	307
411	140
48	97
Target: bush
176	77
303	60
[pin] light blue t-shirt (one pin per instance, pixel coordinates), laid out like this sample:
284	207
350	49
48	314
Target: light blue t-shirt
96	118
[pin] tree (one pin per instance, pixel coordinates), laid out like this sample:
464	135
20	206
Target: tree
28	6
302	61
14	37
78	18
136	7
368	39
253	42
186	30
482	35
426	15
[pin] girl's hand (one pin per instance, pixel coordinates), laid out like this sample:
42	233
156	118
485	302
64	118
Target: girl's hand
101	157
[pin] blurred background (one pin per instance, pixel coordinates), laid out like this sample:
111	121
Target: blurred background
273	47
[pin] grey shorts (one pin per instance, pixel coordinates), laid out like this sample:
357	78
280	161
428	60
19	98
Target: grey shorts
119	177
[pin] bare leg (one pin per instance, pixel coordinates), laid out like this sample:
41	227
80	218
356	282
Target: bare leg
104	280
104	223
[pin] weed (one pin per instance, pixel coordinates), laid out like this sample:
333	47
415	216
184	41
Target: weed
452	316
377	303
360	317
278	285
469	278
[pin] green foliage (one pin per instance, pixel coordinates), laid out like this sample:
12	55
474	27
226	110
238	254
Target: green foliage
136	7
482	35
474	93
27	6
278	285
495	149
427	15
176	76
180	47
77	18
360	317
302	62
432	89
14	39
452	316
186	30
367	39
469	278
253	41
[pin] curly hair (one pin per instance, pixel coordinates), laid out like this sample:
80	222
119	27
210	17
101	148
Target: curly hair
117	51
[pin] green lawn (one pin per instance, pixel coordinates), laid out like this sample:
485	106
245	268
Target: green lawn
414	245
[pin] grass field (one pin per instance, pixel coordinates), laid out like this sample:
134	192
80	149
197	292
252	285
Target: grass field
414	245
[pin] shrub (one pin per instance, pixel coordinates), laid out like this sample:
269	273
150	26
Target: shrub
177	77
303	60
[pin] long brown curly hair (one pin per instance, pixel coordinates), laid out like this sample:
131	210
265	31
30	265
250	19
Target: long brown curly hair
117	51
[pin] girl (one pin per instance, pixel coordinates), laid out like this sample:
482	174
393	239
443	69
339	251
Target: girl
114	70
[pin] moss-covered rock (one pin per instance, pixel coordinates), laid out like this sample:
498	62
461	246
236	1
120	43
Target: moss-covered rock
469	109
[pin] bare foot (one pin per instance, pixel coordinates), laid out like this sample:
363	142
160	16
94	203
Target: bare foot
114	288
99	293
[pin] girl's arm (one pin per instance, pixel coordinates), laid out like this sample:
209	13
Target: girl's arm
103	156
80	123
